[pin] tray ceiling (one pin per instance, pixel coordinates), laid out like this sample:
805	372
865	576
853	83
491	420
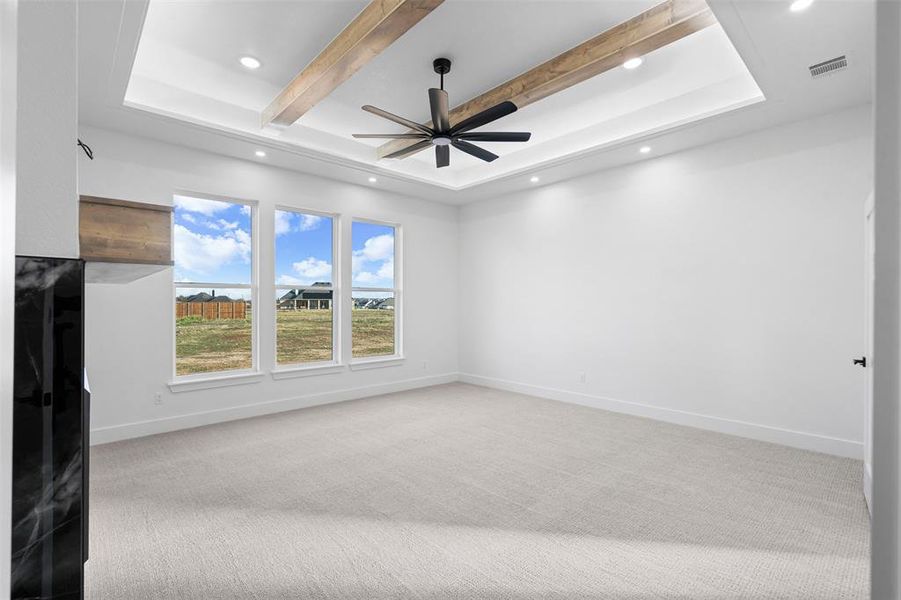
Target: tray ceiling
186	67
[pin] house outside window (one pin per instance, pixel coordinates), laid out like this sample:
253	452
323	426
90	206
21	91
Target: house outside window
305	312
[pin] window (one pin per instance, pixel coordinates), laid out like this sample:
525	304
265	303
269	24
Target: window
304	288
376	293
214	286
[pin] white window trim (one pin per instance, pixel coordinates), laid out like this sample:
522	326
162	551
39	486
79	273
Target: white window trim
300	369
193	383
214	379
386	360
377	362
307	370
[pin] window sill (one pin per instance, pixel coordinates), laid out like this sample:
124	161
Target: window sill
305	371
191	384
377	363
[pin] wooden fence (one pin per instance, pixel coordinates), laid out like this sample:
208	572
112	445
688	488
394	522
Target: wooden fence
211	311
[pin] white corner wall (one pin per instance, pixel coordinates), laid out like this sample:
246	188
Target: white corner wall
720	287
129	331
8	108
47	197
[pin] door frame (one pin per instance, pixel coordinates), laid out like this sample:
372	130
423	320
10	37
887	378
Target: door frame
869	278
886	531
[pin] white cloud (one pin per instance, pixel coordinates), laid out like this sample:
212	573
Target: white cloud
202	254
282	222
200	205
373	264
307	271
367	278
229	225
289	280
285	222
309	222
312	268
245	210
189	218
386	271
375	248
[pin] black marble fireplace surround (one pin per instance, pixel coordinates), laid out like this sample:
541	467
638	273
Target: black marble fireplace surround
49	431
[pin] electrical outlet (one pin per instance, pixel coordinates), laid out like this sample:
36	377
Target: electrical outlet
157	398
582	376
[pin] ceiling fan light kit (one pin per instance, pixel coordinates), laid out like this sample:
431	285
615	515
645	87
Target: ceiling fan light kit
441	134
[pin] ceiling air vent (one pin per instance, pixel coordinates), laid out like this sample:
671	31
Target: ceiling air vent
828	67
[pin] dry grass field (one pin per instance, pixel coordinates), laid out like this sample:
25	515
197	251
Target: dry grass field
302	336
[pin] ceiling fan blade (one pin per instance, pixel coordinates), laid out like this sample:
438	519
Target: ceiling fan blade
442	156
438	104
391	136
405	152
474	150
400	120
483	118
501	136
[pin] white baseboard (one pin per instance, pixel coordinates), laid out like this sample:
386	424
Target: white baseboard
786	437
115	433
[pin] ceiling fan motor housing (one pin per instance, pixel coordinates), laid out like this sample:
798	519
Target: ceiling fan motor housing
442	66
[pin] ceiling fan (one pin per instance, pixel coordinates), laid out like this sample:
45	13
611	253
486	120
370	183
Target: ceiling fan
442	134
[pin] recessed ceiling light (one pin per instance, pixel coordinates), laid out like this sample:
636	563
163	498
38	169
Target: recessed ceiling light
372	180
534	179
260	153
634	63
799	5
250	62
644	149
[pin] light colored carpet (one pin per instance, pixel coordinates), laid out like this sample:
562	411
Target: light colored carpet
459	491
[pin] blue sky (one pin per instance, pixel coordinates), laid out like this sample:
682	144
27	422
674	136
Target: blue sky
213	244
303	248
373	255
212	241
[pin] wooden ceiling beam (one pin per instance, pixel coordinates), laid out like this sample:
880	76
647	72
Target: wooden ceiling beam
655	28
374	29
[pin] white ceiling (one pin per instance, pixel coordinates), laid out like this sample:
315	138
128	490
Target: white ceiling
178	62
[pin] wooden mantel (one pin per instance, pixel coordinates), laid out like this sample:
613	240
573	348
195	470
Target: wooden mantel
127	240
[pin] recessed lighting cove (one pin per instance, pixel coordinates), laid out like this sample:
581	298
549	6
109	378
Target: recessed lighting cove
250	62
634	63
799	5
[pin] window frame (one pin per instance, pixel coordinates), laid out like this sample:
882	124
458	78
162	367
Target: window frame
335	289
397	290
184	382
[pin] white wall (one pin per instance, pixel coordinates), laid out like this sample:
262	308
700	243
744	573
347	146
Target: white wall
47	211
720	287
129	359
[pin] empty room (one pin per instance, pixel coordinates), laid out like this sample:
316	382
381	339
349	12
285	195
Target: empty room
484	299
